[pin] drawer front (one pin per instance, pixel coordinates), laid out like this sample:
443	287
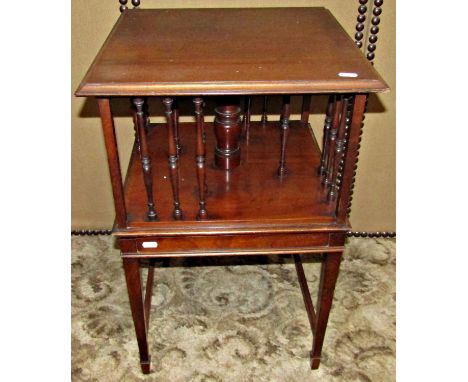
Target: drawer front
264	243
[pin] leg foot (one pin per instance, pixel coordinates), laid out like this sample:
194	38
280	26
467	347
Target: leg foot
314	362
328	277
145	366
132	275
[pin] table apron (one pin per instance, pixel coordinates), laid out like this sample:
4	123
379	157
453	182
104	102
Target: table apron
219	245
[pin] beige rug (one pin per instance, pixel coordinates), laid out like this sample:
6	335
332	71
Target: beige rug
232	320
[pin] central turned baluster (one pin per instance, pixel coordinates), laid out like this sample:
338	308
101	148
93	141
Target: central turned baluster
284	119
144	155
227	127
200	158
173	157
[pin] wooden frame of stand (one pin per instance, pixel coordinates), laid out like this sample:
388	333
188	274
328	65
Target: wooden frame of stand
212	202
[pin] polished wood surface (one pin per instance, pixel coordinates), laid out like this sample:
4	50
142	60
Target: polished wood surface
228	130
248	196
229	245
228	51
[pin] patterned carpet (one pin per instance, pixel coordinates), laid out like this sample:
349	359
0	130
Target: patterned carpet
233	319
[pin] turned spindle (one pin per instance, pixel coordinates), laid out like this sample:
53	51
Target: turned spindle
322	170
264	118
374	30
175	121
332	141
339	151
341	165
285	114
146	113
227	128
246	121
286	108
200	158
135	128
146	119
144	156
173	157
305	108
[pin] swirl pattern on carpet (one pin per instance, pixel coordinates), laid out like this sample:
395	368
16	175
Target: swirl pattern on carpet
233	319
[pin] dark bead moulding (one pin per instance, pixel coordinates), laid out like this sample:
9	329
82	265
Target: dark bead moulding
94	232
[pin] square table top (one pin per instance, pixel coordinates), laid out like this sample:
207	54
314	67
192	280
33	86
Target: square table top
228	51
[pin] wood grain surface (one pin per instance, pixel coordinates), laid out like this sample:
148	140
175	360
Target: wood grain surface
246	199
228	51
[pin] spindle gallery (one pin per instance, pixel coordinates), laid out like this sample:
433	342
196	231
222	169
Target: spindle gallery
225	183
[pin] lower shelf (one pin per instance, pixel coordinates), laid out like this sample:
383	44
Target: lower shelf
251	198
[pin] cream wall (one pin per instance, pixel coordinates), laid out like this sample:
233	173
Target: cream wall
92	207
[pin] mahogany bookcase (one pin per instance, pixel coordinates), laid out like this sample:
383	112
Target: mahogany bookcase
231	186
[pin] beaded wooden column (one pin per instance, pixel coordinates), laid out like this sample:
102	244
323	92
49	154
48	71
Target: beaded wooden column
264	118
351	191
144	156
284	133
351	157
349	113
173	157
322	170
200	158
332	141
340	147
